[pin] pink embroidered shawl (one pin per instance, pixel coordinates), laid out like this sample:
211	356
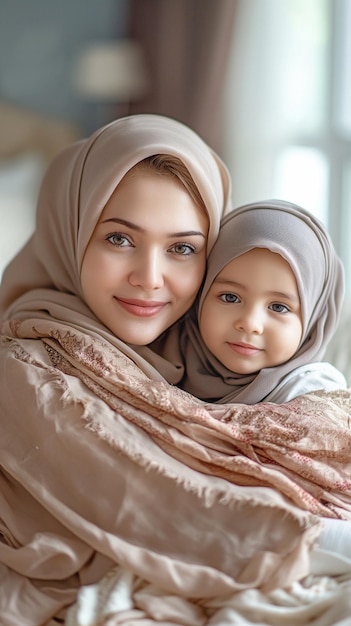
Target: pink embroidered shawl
104	466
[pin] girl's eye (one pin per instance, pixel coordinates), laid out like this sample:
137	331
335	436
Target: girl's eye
279	308
229	298
183	249
118	240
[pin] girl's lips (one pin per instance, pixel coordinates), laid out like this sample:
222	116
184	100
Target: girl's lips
141	308
244	350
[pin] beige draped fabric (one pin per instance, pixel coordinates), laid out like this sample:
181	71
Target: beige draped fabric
102	466
123	600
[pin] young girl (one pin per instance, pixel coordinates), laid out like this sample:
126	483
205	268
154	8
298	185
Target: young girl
268	308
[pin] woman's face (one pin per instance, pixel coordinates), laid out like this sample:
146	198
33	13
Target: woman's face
146	258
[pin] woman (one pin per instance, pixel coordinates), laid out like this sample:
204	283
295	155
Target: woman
78	184
103	462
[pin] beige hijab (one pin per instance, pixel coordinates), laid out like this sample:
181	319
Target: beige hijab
304	243
43	280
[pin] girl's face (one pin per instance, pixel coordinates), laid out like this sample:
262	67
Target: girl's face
251	317
146	258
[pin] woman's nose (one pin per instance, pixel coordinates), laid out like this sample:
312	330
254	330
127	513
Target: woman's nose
250	321
147	271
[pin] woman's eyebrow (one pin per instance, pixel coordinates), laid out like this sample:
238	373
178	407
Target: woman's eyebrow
117	220
186	233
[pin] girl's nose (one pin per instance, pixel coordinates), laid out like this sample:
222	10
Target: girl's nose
147	271
250	321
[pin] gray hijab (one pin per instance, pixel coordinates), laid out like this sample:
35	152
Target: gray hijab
302	240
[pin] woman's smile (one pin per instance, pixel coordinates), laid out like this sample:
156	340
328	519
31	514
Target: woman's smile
141	308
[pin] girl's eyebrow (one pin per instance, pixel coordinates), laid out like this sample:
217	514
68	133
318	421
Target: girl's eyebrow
283	294
186	233
276	294
227	281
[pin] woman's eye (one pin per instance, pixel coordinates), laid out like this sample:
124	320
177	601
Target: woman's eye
229	297
279	308
183	249
118	240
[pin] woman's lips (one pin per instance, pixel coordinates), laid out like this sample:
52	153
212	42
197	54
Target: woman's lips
244	349
141	308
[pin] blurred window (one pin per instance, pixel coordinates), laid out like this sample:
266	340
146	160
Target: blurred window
288	109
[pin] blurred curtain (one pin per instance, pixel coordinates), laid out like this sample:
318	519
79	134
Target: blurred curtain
186	46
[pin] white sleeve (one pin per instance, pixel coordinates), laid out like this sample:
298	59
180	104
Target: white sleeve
336	536
306	379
